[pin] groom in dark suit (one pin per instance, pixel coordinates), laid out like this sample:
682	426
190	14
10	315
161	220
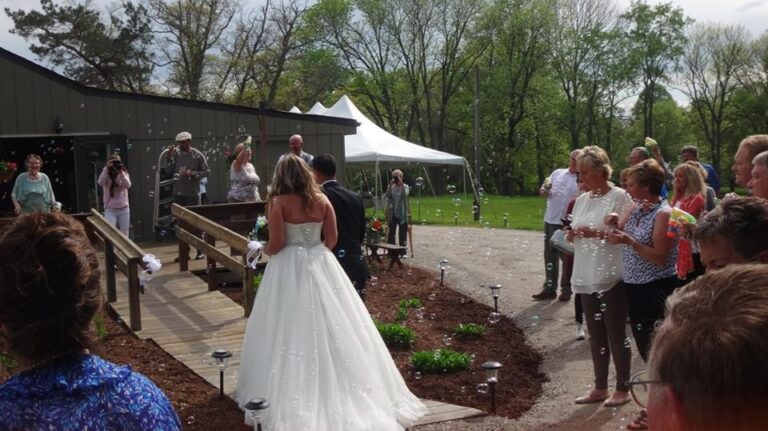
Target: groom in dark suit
350	222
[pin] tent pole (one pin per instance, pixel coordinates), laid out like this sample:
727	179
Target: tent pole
378	186
464	179
426	175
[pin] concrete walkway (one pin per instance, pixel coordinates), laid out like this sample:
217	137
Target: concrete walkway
514	259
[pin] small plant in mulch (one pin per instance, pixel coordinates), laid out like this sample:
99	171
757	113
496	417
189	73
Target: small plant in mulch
395	334
440	361
257	282
403	306
100	326
469	330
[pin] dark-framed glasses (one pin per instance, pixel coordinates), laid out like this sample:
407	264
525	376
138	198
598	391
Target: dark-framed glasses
640	388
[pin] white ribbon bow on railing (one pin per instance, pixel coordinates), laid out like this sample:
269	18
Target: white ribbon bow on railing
254	253
151	265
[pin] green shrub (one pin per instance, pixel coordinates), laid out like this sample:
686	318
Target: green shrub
410	303
256	282
401	314
440	361
469	330
9	361
100	325
395	334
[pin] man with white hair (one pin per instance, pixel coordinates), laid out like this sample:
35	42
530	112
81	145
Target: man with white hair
188	166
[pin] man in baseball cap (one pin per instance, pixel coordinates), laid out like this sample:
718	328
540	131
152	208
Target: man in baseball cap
188	166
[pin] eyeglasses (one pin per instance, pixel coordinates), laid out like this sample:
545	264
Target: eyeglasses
640	389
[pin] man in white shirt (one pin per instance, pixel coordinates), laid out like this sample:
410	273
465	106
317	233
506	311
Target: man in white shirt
559	188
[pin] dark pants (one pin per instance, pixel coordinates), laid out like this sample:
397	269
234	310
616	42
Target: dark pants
360	287
646	307
402	232
606	321
578	308
552	259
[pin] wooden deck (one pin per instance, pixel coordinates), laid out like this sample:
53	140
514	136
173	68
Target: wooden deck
189	322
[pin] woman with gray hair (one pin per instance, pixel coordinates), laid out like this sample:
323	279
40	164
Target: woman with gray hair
398	211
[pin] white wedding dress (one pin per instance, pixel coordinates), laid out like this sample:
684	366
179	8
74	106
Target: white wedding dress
312	351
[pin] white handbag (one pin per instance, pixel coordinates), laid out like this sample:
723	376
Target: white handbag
558	241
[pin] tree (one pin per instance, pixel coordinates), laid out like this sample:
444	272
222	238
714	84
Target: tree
656	35
714	56
189	29
115	55
581	39
516	34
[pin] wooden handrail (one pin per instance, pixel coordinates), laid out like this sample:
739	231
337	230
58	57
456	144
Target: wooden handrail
120	252
202	226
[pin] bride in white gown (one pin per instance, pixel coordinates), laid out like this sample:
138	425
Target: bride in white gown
311	349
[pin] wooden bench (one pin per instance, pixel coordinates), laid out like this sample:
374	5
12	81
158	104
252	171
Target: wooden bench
393	251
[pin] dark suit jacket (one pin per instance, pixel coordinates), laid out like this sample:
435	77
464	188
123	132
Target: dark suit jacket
350	222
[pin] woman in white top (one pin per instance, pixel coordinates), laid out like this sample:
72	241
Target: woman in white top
243	181
597	275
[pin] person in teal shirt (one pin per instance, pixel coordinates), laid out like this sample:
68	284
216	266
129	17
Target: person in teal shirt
32	190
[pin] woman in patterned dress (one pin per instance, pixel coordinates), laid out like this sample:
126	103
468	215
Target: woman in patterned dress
50	289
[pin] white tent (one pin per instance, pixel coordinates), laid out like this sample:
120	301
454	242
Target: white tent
374	145
317	109
295	110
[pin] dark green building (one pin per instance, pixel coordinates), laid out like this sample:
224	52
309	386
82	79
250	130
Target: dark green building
74	128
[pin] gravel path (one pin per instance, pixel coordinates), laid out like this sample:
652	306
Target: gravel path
514	259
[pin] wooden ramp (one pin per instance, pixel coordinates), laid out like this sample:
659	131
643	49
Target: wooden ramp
189	322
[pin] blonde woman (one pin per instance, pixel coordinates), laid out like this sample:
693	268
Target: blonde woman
690	190
597	276
243	180
311	347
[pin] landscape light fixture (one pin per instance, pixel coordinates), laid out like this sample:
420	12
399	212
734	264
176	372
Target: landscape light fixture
495	294
443	267
492	377
221	358
254	407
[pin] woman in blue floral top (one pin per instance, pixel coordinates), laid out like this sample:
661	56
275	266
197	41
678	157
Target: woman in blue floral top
49	293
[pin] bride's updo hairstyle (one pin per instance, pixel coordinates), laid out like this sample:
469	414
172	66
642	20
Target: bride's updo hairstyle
293	177
49	286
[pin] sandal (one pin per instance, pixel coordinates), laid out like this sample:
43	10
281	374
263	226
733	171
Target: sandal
640	422
616	401
595	396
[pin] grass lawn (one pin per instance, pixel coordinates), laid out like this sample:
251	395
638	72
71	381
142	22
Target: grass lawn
521	212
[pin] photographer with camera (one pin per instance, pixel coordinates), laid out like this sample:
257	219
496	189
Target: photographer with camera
115	182
398	210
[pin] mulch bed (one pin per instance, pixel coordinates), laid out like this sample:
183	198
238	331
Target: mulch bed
519	380
199	408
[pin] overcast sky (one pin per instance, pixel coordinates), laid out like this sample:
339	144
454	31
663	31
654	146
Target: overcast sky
753	14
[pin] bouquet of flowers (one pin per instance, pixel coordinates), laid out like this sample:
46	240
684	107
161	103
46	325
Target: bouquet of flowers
375	231
260	231
7	169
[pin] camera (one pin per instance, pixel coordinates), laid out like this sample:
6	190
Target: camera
117	164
